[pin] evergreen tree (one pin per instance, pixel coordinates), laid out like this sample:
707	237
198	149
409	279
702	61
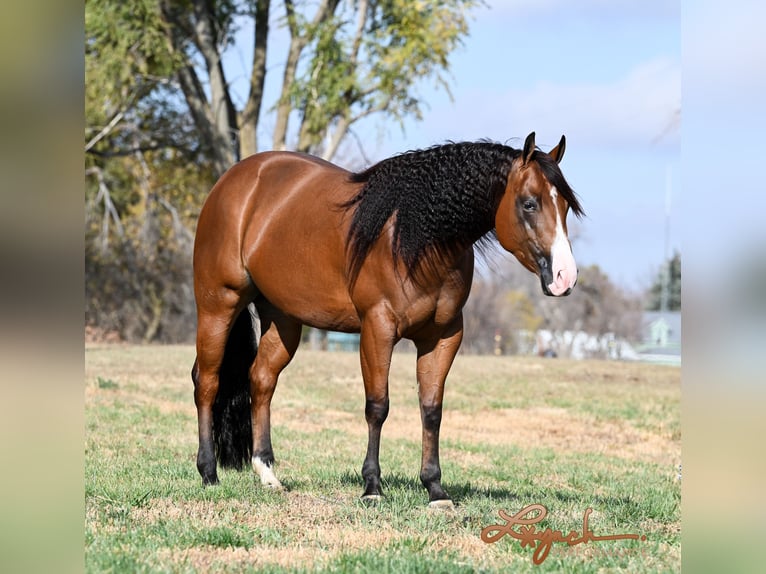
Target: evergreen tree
669	278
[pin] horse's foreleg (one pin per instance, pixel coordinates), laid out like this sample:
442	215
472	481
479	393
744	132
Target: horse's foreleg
435	356
277	346
375	346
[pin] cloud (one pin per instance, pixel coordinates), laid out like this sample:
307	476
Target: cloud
636	110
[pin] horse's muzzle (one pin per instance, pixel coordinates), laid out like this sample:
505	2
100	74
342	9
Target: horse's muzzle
561	285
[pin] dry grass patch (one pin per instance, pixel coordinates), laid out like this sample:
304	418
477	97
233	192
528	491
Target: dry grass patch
211	559
539	427
515	431
556	428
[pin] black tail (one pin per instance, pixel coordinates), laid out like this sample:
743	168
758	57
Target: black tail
231	410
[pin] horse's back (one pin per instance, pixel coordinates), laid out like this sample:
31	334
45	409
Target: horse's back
267	177
277	218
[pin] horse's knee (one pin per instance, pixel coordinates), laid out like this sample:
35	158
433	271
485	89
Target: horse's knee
195	373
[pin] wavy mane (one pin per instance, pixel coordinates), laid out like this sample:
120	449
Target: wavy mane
443	198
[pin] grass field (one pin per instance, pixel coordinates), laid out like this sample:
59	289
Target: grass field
516	431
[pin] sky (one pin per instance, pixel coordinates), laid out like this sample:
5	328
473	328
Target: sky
724	126
605	73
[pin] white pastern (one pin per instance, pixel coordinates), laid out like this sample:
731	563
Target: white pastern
265	473
562	261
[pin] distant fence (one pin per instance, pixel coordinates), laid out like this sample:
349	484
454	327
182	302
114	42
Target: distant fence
342	341
346	342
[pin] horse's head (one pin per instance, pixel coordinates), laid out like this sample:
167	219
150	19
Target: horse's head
531	220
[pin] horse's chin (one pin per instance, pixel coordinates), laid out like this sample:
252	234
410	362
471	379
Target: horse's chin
556	288
550	293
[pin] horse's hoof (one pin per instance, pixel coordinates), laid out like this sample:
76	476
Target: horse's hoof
371	499
264	472
272	484
444	504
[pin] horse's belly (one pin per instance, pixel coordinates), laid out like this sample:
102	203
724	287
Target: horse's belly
316	295
319	311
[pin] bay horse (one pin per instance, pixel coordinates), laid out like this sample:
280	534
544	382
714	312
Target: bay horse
286	239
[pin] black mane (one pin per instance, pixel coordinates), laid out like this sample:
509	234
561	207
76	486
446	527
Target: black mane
444	198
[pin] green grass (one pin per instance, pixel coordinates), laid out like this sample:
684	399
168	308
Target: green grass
567	435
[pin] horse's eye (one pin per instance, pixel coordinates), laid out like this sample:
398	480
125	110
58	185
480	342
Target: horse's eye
529	205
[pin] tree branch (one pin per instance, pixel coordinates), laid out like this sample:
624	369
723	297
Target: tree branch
105	131
131	151
181	230
104	196
360	146
360	24
343	127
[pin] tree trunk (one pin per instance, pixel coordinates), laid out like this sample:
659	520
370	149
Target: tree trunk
297	43
337	136
216	119
248	124
344	123
154	314
221	105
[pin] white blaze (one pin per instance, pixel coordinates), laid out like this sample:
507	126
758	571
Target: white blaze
562	261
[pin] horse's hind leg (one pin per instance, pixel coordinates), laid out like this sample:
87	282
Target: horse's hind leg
279	341
214	321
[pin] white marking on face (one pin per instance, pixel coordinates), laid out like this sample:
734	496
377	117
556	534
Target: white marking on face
265	473
562	261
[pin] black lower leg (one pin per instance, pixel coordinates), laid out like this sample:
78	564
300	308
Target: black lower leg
376	413
206	463
430	476
206	459
430	471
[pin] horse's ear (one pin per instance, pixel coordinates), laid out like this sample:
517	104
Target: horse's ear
529	148
558	152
